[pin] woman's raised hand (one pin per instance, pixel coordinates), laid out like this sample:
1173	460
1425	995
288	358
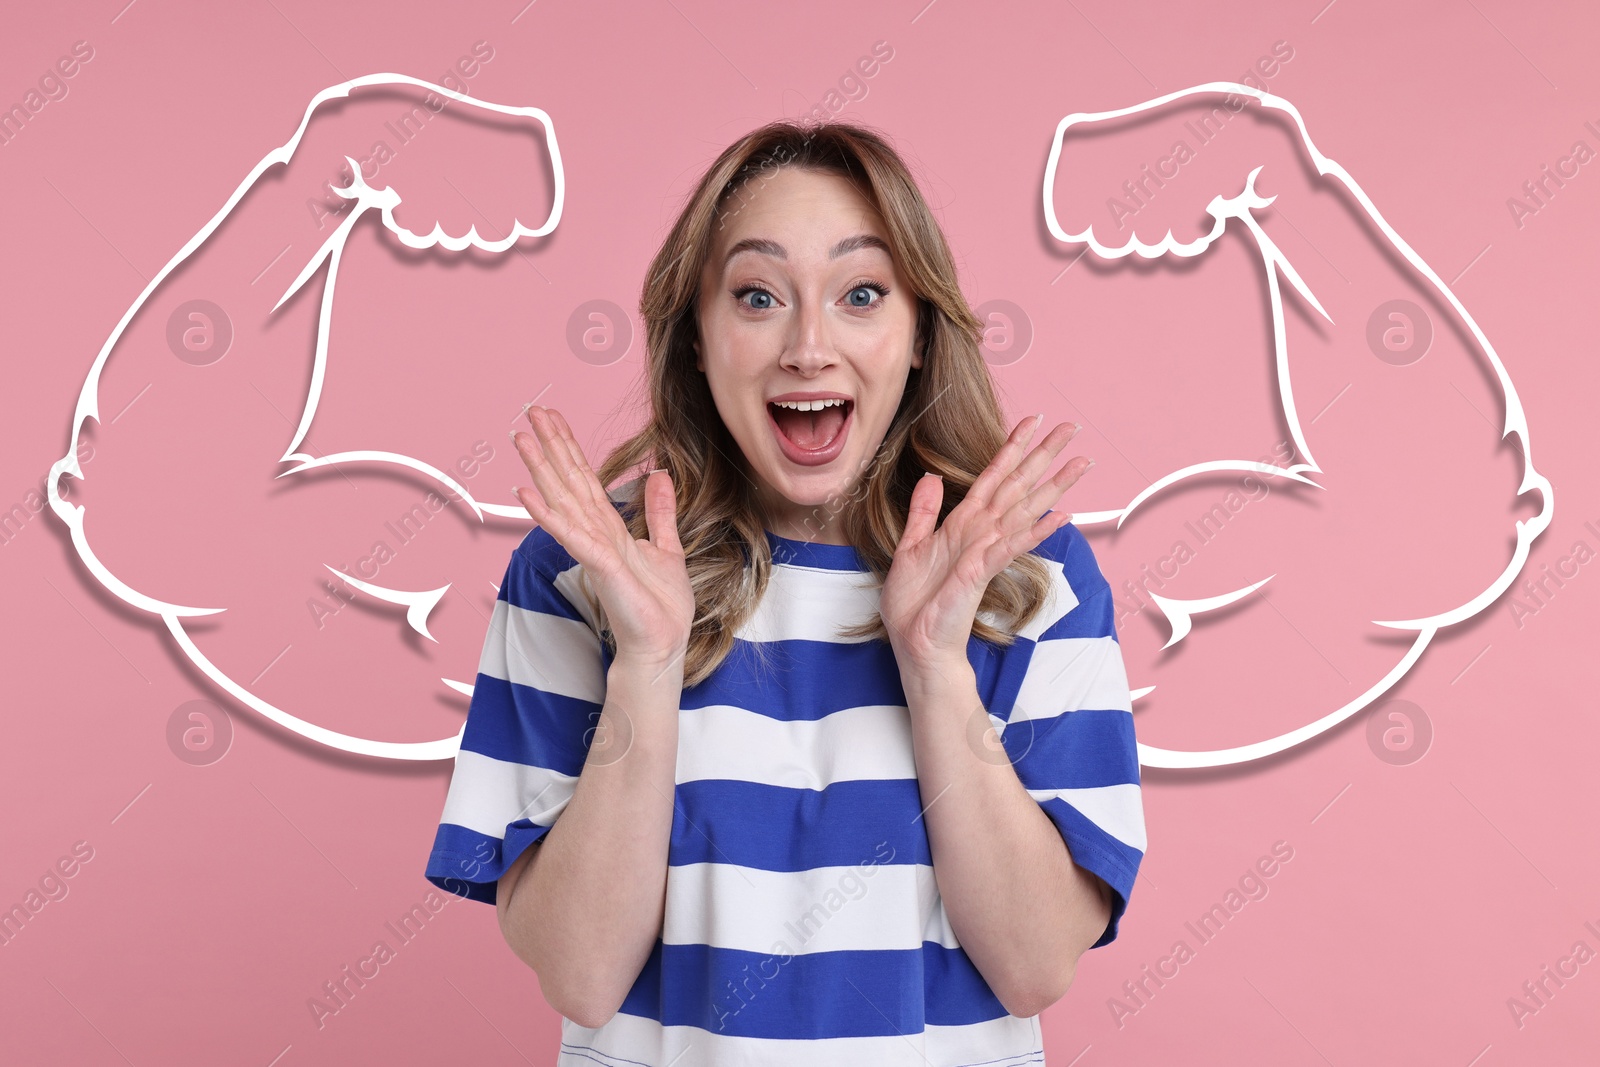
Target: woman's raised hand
642	584
931	595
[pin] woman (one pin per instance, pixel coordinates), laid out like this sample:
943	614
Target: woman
746	703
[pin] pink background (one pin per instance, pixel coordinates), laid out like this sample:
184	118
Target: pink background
219	898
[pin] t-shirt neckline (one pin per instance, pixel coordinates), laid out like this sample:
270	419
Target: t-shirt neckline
788	550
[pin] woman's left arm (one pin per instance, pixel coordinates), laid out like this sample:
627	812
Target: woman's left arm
1021	908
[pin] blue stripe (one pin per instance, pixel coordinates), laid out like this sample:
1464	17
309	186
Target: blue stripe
1078	563
1074	750
795	553
529	579
1095	850
1007	677
1095	613
1095	616
988	661
469	864
777	828
799	679
848	993
807	680
521	724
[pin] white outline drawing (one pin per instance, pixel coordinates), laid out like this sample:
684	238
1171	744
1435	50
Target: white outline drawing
418	603
1275	262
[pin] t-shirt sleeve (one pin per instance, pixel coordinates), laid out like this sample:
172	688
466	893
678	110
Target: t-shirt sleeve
1069	731
535	703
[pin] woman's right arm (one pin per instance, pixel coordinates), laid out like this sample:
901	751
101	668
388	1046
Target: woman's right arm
584	906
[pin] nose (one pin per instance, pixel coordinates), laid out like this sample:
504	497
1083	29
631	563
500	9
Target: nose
807	349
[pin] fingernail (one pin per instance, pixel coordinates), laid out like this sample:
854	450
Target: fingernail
514	490
1091	463
1076	427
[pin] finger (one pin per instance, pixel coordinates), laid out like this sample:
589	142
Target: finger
530	502
661	510
1005	460
923	514
605	520
1002	552
566	487
581	543
588	481
548	482
1022	526
547	425
1021	481
550	521
535	453
1049	491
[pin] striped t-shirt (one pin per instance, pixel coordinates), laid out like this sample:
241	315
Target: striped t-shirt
803	924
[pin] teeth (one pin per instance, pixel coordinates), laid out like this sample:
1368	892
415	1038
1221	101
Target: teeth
807	405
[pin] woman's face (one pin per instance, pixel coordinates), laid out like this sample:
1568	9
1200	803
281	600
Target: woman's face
800	299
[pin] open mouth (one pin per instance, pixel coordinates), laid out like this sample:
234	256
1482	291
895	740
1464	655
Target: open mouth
811	437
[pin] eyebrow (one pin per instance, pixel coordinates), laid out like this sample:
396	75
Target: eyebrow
768	247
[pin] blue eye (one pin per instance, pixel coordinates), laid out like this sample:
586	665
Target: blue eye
756	293
861	296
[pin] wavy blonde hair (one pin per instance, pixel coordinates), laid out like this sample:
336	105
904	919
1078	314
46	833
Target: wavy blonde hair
948	423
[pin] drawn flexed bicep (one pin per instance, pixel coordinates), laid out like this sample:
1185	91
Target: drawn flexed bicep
256	438
1294	356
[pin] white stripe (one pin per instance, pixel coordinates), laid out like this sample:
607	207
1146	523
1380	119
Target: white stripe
1116	809
851	744
630	1040
487	794
1059	601
1063	601
871	905
1070	674
569	583
812	604
548	652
